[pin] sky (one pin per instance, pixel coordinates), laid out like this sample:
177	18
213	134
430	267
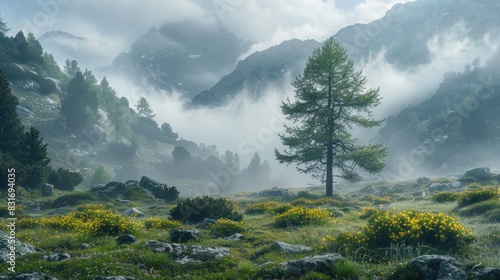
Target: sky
112	26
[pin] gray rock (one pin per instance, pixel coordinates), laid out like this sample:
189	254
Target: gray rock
159	190
456	184
235	237
481	174
123	200
276	192
21	247
47	189
84	246
110	190
56	257
181	236
23	111
114	278
290	248
487	273
318	263
132	212
28	276
438	267
179	249
132	183
126	239
159	247
206	222
205	253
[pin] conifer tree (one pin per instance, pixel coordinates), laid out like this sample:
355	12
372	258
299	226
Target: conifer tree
11	128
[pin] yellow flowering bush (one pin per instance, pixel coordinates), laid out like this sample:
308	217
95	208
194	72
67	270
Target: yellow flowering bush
90	219
475	196
316	202
262	207
225	227
298	216
411	227
443	197
367	212
158	223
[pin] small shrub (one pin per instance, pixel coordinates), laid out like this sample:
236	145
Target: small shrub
480	208
349	244
474	196
100	176
158	223
345	270
367	212
474	186
224	228
262	207
156	261
308	195
444	197
194	210
280	209
73	199
63	179
298	216
377	200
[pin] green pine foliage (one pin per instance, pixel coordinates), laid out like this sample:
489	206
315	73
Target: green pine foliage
63	179
194	210
11	128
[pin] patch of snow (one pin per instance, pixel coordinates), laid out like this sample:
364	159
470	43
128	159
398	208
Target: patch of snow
194	55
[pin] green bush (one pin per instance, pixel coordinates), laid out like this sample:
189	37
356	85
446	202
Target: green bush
72	199
63	179
262	207
224	228
377	200
345	270
480	208
444	197
158	223
100	176
194	210
298	216
474	196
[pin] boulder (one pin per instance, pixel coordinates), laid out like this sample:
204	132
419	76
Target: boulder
126	239
481	174
47	189
21	247
205	253
456	184
486	273
84	246
290	248
28	276
159	190
114	278
132	212
132	183
438	267
179	249
111	190
181	236
276	192
319	263
57	257
206	222
235	237
159	247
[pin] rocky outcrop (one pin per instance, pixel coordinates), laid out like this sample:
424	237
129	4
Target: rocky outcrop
21	247
57	257
126	239
235	237
290	248
159	247
276	192
159	190
486	273
318	263
110	190
132	212
438	267
479	174
28	276
181	236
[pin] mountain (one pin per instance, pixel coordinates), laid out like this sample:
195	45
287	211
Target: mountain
189	56
404	34
259	70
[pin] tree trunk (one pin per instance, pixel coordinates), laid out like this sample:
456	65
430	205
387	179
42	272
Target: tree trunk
329	170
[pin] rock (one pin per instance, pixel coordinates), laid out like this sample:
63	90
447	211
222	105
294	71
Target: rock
123	200
181	236
206	222
28	276
159	190
132	183
56	257
84	246
481	174
205	253
159	247
47	189
290	248
235	237
276	192
23	111
456	184
21	247
111	189
487	273
179	249
114	278
319	263
132	212
438	267
125	239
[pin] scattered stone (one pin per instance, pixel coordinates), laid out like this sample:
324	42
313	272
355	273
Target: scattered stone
206	222
319	263
276	192
181	236
126	239
84	246
111	189
21	247
28	276
57	257
487	273
290	248
205	253
132	212
438	267
235	237
159	247
47	189
114	278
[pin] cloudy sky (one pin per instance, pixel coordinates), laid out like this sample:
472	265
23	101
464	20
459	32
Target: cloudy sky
116	24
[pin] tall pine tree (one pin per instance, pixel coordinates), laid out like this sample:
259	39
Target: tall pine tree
11	128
